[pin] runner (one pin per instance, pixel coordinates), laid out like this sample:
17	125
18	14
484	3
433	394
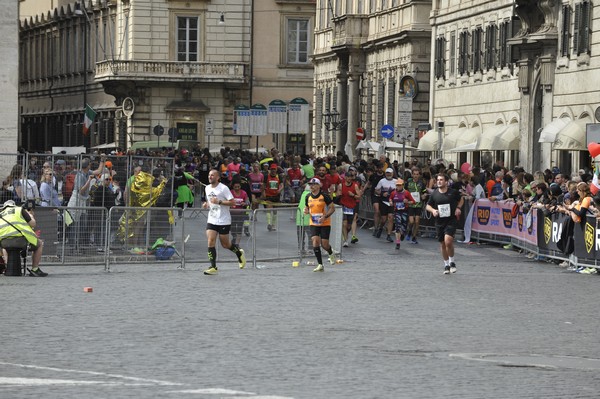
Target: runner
349	193
238	211
320	207
256	179
399	199
218	200
383	189
418	189
444	204
272	194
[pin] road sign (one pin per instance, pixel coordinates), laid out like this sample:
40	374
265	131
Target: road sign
360	134
208	126
387	131
158	130
173	134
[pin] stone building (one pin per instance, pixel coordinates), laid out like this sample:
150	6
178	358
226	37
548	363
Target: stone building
514	81
147	63
369	57
9	62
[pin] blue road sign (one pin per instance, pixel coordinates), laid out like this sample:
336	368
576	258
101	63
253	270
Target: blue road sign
387	131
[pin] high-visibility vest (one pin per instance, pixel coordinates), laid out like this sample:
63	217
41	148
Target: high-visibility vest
12	214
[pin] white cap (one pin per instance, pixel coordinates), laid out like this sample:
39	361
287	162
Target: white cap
389	170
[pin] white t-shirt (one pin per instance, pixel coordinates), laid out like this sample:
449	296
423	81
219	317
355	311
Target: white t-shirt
218	215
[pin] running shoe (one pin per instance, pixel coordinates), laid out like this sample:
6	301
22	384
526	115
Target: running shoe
397	246
447	269
319	268
332	259
345	245
408	237
354	239
378	233
508	246
269	227
242	260
389	238
452	267
414	240
37	272
211	271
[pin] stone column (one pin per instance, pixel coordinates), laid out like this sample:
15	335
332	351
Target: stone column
342	108
526	111
353	109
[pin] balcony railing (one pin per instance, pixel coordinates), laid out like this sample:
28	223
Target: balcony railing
171	71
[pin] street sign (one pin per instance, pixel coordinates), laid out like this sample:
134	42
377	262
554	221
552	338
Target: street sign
208	126
173	134
158	130
387	131
360	134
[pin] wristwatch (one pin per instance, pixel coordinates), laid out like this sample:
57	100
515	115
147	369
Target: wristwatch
220	202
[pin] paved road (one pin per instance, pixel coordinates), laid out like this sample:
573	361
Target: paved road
381	325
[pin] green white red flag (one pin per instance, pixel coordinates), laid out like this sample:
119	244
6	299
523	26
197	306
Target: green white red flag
88	119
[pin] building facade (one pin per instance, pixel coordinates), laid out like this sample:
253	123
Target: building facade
9	63
513	81
370	57
148	66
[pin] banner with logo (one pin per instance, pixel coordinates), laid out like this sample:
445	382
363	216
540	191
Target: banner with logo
587	239
550	228
505	218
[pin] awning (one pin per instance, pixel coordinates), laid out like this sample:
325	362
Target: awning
550	131
392	145
460	136
106	145
368	145
572	136
465	148
429	142
487	137
152	144
508	139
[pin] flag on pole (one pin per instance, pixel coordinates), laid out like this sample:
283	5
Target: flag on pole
88	119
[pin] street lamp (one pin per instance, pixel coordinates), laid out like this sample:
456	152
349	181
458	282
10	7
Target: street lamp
332	120
404	136
81	13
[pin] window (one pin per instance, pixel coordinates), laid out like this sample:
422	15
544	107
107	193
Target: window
504	47
187	38
581	32
440	62
476	48
491	48
566	28
297	41
463	52
453	54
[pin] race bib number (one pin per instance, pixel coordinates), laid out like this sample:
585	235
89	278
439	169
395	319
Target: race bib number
255	187
416	196
215	211
295	183
444	210
399	206
273	184
386	203
315	218
348	211
238	201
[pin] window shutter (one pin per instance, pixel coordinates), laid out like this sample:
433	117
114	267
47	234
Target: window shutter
318	116
576	24
369	116
391	102
566	23
380	103
584	32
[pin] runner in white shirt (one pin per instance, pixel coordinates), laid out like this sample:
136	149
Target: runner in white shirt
218	201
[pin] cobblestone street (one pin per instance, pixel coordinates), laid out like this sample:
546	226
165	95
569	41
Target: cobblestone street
381	325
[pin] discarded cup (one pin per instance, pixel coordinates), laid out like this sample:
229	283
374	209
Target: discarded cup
310	262
295	264
339	261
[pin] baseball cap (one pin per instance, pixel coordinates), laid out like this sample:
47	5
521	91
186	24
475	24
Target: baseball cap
399	182
314	180
389	170
273	166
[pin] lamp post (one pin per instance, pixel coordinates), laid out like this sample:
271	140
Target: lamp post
331	120
404	135
80	12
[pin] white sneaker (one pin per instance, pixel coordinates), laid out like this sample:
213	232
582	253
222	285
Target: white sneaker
345	245
332	259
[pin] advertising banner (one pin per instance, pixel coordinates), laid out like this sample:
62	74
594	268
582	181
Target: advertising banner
505	218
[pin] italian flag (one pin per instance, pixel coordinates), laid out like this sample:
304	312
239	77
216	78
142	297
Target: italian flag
88	119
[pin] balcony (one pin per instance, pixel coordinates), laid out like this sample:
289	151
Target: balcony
171	72
350	31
